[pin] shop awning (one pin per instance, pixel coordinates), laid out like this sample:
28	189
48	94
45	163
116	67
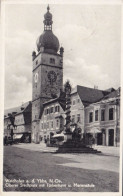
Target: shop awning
58	135
60	116
18	136
94	130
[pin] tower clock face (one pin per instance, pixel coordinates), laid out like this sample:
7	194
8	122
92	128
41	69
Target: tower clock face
52	76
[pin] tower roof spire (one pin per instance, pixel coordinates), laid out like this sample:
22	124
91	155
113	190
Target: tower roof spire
48	8
48	40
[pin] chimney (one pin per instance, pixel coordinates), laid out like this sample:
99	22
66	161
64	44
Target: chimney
95	87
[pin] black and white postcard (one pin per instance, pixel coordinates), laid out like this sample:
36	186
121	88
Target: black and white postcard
61	79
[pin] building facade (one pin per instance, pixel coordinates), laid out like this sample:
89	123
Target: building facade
53	119
17	121
102	120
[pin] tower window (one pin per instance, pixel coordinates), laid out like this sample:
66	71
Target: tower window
52	60
36	62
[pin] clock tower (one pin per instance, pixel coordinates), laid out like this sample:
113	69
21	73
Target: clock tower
47	76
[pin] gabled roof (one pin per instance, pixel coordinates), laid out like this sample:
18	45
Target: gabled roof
16	110
89	95
110	90
113	94
60	100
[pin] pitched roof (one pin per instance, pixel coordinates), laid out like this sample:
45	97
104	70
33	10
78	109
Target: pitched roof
16	110
113	94
110	90
89	95
60	100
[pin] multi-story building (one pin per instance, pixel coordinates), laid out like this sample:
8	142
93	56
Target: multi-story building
53	118
102	120
17	121
81	97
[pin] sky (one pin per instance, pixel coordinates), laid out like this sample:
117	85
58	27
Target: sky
90	35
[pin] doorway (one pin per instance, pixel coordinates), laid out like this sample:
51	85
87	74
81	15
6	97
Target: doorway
99	139
111	137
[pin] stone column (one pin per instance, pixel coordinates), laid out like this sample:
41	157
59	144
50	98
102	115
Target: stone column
115	136
104	138
107	137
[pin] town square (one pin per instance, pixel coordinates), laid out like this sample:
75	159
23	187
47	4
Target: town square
62	98
84	172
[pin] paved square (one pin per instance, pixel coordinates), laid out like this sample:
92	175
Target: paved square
59	172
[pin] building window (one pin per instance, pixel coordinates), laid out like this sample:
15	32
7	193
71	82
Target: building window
51	124
44	125
52	60
47	111
91	117
47	125
78	100
41	125
57	123
73	119
96	115
102	115
73	102
57	109
111	117
51	109
78	118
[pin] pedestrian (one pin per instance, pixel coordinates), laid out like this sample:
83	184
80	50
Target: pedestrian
93	140
45	140
5	140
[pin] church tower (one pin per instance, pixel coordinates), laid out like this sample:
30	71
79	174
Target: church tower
47	76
